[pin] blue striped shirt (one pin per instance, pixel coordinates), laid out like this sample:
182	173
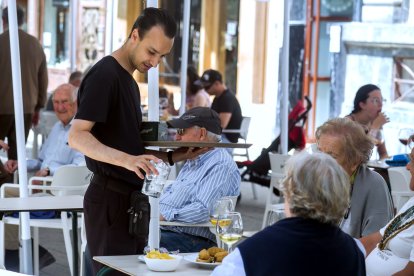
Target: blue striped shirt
200	182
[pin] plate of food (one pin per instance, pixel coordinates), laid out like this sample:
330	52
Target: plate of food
211	257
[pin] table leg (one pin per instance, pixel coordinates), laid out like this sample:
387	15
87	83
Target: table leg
75	254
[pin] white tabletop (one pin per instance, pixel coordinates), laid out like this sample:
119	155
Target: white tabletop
130	265
42	203
377	164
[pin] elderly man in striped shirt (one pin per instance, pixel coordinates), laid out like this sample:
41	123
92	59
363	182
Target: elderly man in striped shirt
200	182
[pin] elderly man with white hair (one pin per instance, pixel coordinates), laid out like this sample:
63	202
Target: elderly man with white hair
55	153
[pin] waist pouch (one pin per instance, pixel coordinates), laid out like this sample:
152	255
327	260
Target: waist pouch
139	215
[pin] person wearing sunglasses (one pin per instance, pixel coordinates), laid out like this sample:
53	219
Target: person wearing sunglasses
368	113
199	184
225	103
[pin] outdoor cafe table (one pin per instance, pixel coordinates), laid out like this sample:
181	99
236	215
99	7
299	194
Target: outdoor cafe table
73	203
130	265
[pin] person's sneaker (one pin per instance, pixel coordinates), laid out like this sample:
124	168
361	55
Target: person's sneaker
45	257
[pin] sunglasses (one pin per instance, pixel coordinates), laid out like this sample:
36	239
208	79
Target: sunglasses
180	131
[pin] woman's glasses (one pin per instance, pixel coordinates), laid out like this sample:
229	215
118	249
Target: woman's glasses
377	101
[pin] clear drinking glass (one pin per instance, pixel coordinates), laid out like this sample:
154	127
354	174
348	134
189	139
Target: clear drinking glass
274	216
154	184
219	207
410	142
229	228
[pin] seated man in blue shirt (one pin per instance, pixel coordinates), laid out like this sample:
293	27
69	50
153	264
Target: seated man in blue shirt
200	182
55	151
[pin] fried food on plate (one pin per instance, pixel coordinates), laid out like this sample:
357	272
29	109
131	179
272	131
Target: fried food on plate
213	250
204	255
155	254
220	256
211	255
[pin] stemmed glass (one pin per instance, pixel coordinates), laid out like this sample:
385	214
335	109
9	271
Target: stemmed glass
404	136
219	207
410	143
229	228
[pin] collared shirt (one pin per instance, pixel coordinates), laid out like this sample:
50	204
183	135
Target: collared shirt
55	152
200	182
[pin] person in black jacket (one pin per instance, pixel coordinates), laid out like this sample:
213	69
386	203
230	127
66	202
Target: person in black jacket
308	241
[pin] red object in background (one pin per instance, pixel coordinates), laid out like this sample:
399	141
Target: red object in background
296	131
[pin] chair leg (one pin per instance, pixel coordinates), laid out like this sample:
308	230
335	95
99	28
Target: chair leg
36	250
254	191
2	246
66	237
83	246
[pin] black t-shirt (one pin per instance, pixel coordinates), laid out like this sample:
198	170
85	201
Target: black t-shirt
109	96
228	103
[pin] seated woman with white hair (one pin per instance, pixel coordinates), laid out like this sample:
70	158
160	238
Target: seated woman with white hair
308	241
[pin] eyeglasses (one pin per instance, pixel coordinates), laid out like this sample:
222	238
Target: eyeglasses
377	101
180	131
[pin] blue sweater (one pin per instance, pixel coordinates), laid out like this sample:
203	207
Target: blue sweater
297	246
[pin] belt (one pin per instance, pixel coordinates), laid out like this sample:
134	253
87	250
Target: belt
115	185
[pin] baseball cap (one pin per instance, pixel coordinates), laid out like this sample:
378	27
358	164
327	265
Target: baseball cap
209	77
198	116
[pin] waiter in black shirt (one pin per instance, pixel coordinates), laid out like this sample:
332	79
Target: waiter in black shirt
107	130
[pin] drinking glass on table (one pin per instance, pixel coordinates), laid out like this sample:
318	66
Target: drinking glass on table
220	206
229	228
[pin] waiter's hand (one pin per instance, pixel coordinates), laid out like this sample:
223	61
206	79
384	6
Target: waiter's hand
185	153
141	162
10	165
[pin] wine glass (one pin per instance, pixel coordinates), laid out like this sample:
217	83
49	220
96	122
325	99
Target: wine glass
410	142
219	207
404	135
229	228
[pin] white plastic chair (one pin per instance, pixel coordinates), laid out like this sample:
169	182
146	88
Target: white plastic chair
243	131
67	180
46	122
400	186
277	165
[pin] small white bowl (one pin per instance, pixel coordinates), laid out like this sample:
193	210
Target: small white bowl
163	264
